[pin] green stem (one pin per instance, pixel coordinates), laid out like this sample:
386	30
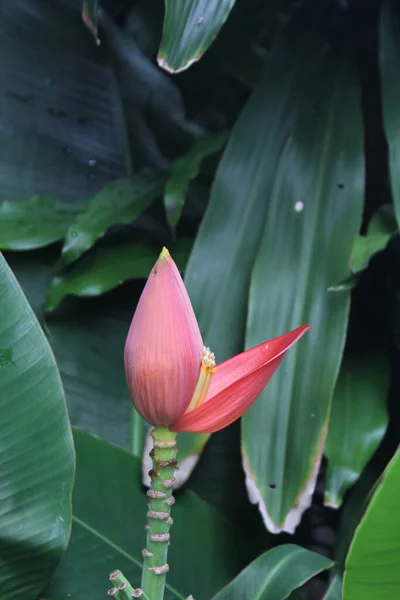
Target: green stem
155	564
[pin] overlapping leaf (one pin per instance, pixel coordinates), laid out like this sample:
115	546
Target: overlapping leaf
37	467
313	217
33	223
275	574
118	203
357	423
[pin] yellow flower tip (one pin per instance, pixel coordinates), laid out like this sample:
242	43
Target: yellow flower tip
164	254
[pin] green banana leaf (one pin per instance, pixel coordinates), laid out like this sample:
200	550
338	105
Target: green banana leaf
118	203
32	223
37	467
372	562
275	574
358	422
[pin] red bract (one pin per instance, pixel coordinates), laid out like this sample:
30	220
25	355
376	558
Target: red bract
173	380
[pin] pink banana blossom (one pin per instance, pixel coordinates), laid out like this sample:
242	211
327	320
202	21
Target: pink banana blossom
173	378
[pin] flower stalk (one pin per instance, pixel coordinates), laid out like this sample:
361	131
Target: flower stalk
155	566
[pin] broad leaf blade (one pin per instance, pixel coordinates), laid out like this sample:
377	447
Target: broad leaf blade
88	343
62	124
275	574
357	423
37	469
308	236
372	563
108	532
32	223
190	26
118	203
229	234
389	62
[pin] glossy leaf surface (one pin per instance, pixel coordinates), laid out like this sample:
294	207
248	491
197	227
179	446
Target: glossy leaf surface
372	563
37	467
275	574
358	422
32	223
309	232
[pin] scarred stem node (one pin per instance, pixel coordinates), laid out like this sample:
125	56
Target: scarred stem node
155	566
122	589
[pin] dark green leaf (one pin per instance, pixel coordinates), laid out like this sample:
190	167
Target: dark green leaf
33	223
372	563
334	591
365	247
37	466
307	241
190	26
105	268
108	532
381	229
389	62
275	574
88	343
357	423
185	170
118	203
64	129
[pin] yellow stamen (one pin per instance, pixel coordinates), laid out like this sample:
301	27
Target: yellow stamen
207	368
